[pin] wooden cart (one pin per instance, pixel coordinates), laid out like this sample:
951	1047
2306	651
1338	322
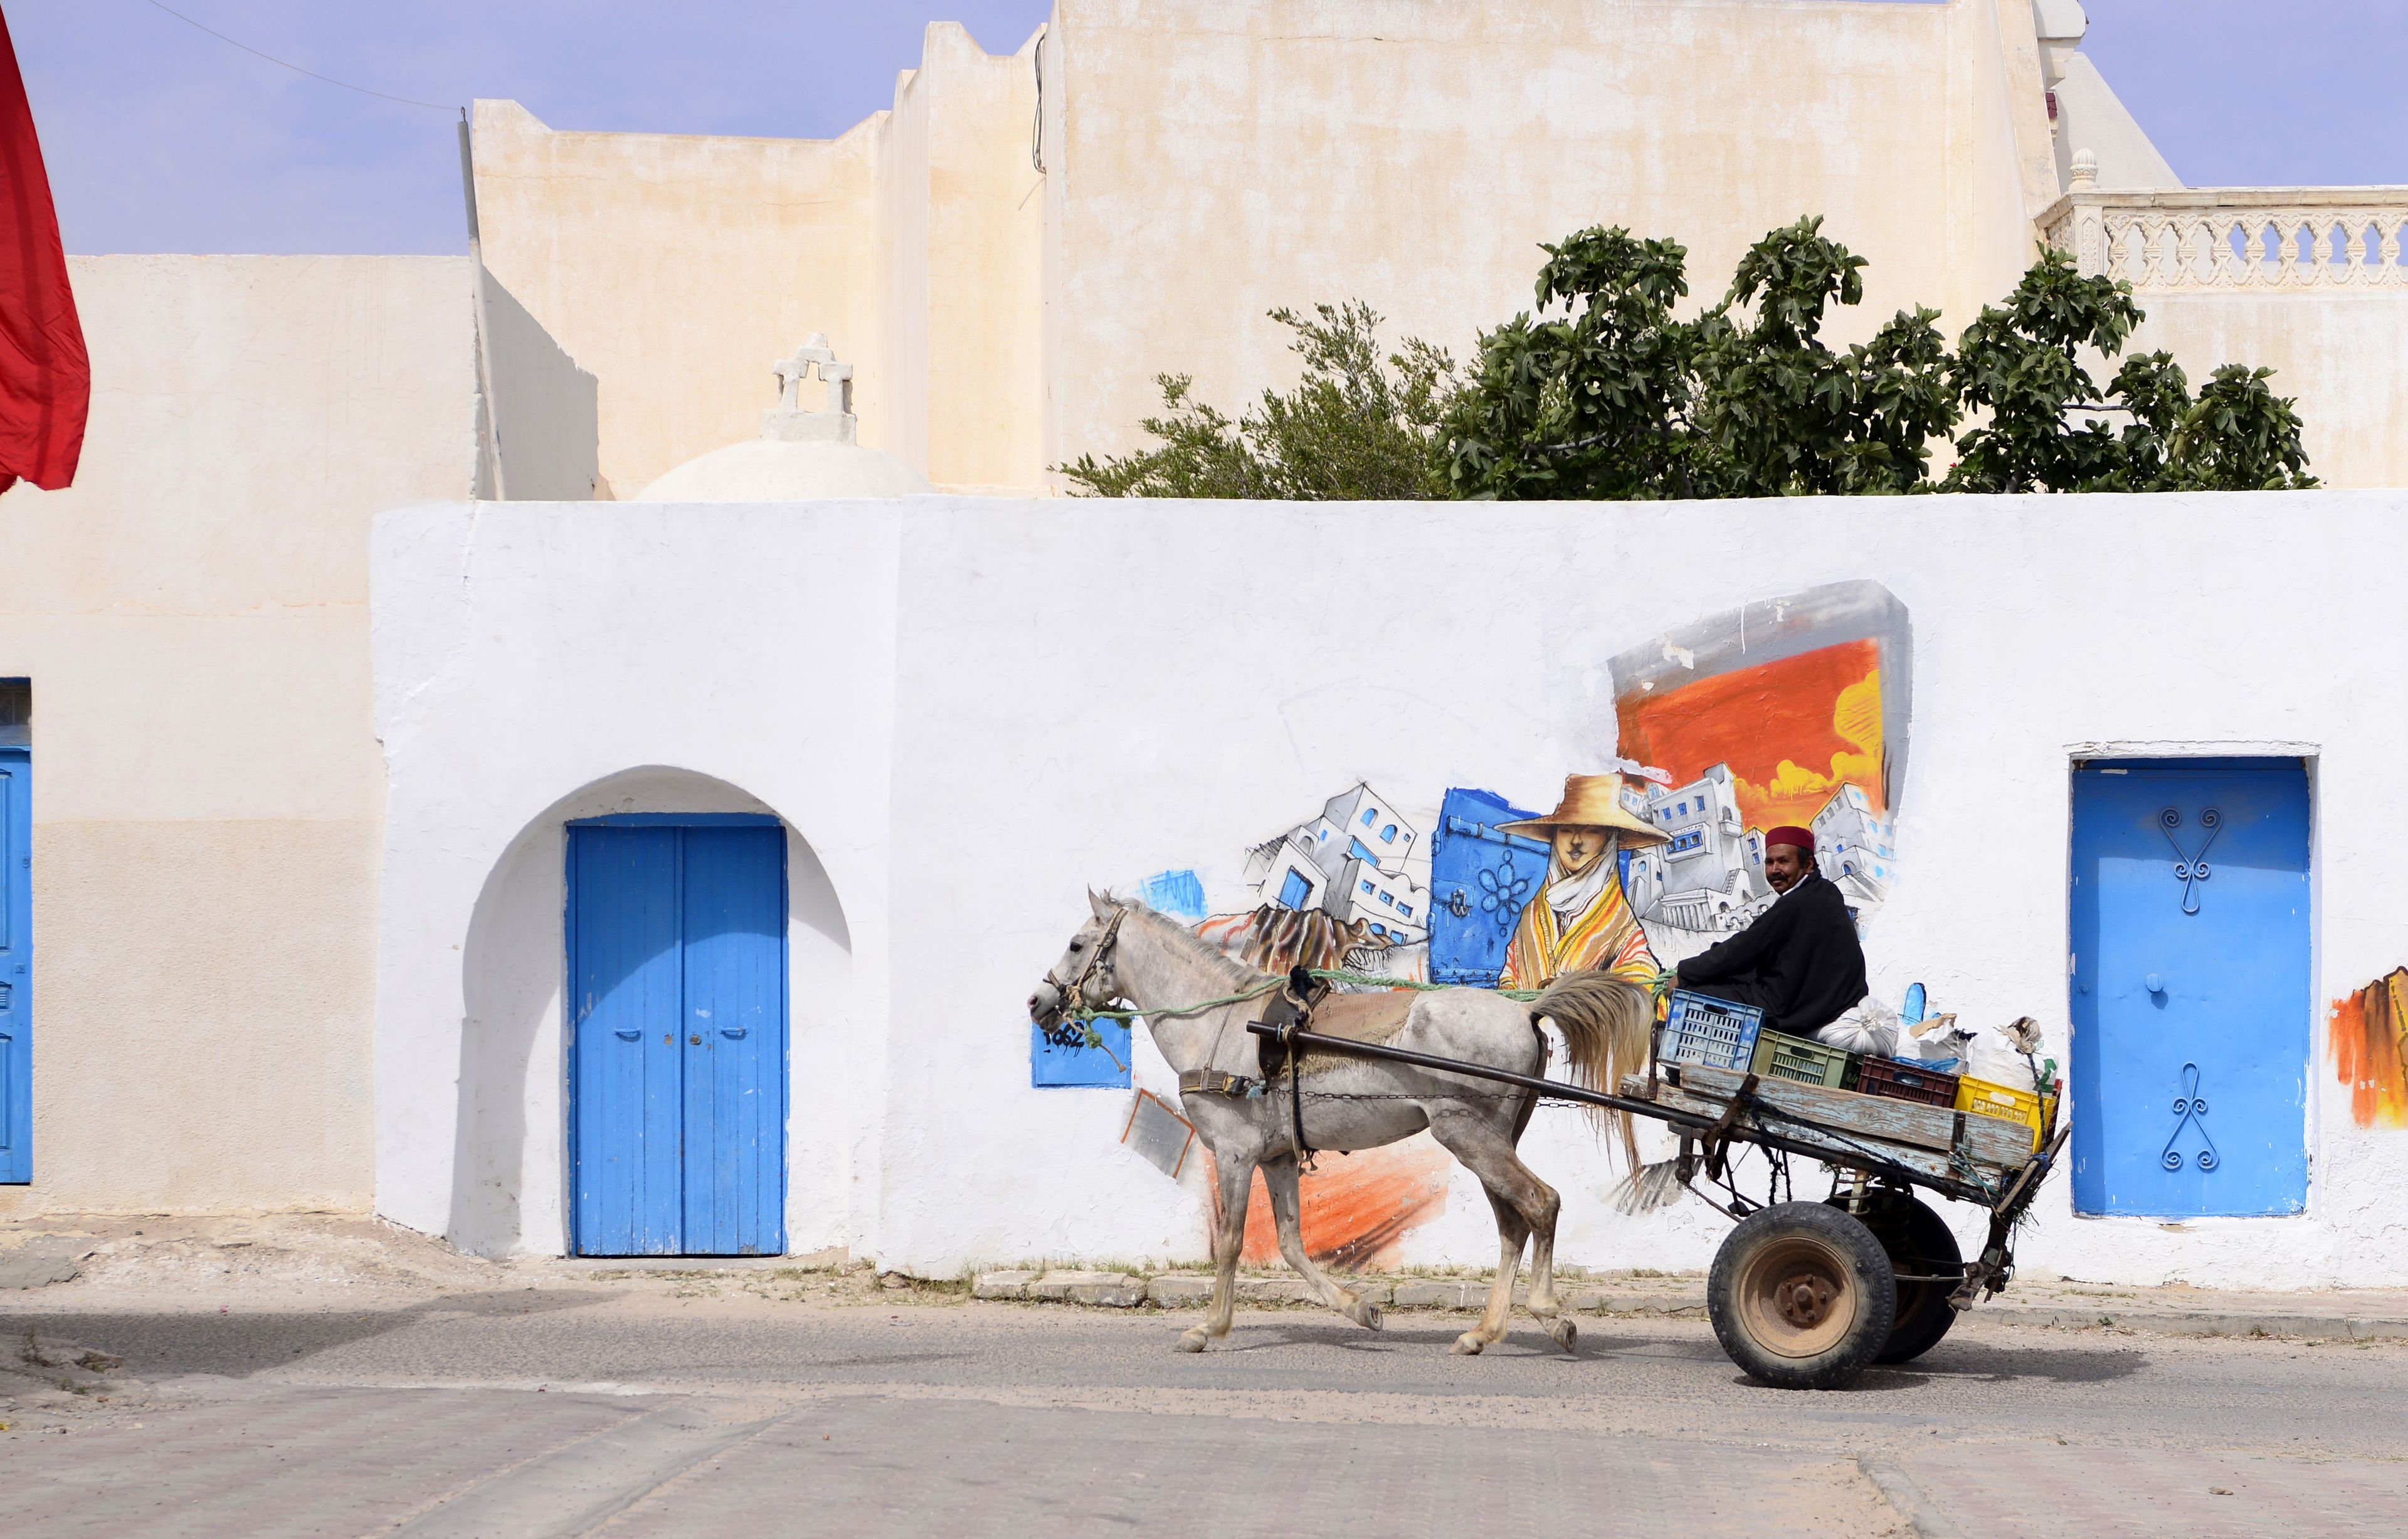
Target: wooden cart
1805	1295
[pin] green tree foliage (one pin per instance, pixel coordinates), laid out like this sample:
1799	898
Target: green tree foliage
2020	363
1603	391
1783	413
1595	404
1619	399
1356	427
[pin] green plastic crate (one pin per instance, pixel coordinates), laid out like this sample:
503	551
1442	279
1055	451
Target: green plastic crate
1780	1057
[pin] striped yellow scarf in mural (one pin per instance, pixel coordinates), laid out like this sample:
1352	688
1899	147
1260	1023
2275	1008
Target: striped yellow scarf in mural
1605	935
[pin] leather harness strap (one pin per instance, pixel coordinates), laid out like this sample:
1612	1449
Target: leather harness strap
1213	1082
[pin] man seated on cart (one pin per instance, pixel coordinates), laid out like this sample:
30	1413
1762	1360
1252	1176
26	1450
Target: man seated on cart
1799	961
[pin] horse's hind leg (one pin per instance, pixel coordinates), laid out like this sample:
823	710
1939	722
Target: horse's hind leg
1543	1211
1525	1205
1236	1182
1281	1178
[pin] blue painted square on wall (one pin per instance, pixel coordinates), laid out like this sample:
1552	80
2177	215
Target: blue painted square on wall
1102	1068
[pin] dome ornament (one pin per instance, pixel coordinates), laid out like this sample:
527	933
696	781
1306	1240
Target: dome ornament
788	423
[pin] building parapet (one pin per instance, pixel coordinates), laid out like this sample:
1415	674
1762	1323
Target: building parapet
2217	239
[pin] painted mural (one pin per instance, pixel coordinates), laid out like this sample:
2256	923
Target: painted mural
1792	711
2369	1042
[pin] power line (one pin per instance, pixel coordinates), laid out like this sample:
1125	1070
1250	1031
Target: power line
286	63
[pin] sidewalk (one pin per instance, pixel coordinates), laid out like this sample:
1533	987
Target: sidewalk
2173	1310
53	1262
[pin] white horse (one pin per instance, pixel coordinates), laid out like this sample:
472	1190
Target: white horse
1128	952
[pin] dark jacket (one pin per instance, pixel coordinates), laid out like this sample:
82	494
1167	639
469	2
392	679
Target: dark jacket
1799	961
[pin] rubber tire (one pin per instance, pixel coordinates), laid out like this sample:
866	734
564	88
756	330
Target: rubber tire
1834	1247
1916	1239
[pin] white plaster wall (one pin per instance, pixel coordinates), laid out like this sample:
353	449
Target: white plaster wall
973	711
208	798
486	763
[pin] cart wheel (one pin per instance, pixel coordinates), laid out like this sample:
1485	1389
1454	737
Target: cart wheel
1802	1296
1917	1241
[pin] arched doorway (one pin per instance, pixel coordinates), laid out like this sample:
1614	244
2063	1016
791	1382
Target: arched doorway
515	1129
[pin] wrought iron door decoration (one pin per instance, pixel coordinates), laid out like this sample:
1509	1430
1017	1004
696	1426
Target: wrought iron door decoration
2191	869
2191	1110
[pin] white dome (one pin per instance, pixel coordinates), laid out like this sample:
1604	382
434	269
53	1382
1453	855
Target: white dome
768	470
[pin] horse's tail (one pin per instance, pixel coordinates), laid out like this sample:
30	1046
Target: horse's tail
1606	1022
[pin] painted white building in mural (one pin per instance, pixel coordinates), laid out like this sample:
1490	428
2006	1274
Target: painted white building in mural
344	674
1709	874
1350	862
1853	842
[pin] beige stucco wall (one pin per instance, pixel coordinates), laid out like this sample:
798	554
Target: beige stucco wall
207	790
676	267
1206	161
962	231
2342	357
1223	158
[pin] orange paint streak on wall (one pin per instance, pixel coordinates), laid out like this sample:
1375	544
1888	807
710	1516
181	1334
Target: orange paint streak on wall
1791	731
1357	1207
2370	1050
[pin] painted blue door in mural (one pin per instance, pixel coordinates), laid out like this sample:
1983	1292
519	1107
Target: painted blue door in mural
677	971
16	967
2190	988
1480	879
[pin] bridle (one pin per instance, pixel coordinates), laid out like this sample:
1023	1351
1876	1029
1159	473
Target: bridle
1074	993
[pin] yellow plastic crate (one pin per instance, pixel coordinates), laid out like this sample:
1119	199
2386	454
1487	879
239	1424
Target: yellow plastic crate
1984	1098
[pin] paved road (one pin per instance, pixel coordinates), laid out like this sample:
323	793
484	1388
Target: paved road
575	1411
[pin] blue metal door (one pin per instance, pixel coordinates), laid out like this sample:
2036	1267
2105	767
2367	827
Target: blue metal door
2190	988
677	964
1480	879
16	967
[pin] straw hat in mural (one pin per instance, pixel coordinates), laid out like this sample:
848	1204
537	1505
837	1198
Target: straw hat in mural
1590	801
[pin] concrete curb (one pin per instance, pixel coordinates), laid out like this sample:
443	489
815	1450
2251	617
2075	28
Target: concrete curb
1193	1290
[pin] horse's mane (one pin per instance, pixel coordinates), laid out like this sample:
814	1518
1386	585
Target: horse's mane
1178	937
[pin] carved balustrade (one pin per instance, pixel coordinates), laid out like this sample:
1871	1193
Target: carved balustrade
2237	239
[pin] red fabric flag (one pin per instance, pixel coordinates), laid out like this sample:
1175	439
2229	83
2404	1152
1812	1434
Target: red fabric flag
45	375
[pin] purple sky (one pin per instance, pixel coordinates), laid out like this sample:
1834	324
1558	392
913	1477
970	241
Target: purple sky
163	138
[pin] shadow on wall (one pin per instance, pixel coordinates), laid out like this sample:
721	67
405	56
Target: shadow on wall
546	410
509	1171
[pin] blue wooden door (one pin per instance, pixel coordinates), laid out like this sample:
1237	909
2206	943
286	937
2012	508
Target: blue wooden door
735	928
1480	879
677	964
2190	988
16	967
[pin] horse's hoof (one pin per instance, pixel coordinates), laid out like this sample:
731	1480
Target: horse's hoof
1367	1314
1194	1340
1563	1333
1469	1344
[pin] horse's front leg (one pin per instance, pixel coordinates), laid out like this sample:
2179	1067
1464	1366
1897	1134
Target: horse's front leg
1236	1182
1280	1179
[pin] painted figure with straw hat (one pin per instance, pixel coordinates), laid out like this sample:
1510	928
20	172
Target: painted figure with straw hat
1580	922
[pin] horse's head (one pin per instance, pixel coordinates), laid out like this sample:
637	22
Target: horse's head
1084	979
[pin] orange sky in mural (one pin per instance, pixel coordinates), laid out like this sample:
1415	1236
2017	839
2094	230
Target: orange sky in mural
1791	731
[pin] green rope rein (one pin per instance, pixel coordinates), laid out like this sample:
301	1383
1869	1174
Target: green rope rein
1327	974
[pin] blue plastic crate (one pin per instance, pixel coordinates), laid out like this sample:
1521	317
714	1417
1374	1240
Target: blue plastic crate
1699	1029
